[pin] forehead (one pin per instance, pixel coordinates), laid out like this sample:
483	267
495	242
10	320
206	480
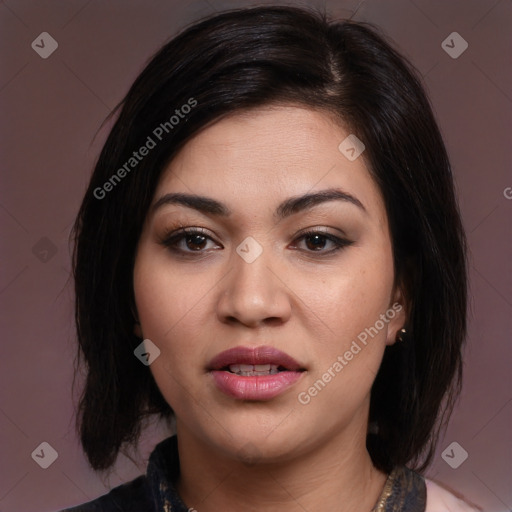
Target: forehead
266	154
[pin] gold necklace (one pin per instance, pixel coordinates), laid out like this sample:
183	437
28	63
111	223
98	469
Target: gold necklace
385	494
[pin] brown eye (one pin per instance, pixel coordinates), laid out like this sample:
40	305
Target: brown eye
195	242
187	241
316	241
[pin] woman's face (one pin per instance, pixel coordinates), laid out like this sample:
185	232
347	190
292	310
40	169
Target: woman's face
252	281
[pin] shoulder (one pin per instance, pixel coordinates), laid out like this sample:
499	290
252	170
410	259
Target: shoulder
440	499
132	496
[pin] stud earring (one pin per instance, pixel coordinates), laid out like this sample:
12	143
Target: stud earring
400	335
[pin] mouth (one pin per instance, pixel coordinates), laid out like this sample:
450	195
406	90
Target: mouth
254	373
258	360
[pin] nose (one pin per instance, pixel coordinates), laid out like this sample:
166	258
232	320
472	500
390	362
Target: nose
254	293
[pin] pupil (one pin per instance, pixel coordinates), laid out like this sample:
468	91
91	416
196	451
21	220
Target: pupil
196	240
317	238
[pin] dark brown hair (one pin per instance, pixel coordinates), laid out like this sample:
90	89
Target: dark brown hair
235	61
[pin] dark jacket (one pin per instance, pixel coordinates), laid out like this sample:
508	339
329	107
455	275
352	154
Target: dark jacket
404	491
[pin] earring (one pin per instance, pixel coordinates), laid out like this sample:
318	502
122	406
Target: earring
400	335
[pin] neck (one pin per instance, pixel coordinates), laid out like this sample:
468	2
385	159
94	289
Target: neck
336	474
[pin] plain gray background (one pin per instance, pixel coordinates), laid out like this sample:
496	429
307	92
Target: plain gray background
51	110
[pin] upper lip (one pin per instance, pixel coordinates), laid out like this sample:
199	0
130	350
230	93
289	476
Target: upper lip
254	355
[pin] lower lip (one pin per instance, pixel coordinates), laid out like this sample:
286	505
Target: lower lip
260	387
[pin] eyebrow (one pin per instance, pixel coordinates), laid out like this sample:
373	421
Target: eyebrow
287	208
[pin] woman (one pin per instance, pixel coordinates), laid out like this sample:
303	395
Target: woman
270	253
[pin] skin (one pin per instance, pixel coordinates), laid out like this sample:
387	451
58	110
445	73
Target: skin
296	296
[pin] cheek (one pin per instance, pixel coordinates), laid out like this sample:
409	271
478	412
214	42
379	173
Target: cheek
347	359
162	295
352	297
173	308
348	351
169	309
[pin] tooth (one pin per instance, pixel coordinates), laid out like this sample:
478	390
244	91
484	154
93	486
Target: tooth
261	367
250	370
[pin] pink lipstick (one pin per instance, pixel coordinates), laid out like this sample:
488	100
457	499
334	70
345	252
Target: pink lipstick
254	373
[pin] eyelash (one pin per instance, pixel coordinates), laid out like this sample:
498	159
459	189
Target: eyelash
170	240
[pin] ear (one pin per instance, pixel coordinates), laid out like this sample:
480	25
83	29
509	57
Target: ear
397	313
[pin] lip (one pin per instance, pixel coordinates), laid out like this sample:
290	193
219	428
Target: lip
253	355
258	387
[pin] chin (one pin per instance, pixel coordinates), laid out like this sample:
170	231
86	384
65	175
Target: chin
267	440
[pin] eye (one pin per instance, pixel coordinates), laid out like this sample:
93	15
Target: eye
194	241
187	240
316	241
